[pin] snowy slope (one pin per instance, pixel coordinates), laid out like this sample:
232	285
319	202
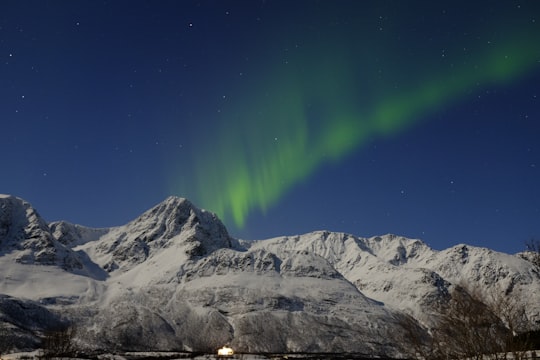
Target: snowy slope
490	272
150	248
380	267
34	264
173	279
407	275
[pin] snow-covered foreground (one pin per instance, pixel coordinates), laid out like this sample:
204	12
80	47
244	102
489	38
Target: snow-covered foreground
530	355
170	356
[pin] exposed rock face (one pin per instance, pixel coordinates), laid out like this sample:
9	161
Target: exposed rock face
21	321
173	279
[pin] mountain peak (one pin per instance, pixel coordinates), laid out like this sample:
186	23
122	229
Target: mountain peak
20	222
22	229
174	222
7	196
176	199
175	215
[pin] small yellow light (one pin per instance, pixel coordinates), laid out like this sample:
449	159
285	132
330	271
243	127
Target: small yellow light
225	351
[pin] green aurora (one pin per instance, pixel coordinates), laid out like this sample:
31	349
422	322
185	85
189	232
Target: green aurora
321	106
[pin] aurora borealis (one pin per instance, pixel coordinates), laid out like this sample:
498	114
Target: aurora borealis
310	111
282	117
273	147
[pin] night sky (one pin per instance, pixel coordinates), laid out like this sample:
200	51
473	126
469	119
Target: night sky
418	118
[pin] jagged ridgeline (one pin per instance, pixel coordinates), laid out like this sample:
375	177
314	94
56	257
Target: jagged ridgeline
174	280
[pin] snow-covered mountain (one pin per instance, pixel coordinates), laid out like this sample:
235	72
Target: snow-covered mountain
25	234
173	279
407	275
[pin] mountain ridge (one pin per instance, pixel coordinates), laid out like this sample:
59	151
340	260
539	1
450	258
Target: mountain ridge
174	279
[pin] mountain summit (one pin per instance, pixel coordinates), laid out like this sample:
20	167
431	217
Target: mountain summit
173	224
173	279
26	237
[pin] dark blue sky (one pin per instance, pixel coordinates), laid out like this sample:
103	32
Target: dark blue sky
107	107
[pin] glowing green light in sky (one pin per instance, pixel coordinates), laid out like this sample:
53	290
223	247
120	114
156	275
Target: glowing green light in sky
312	111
